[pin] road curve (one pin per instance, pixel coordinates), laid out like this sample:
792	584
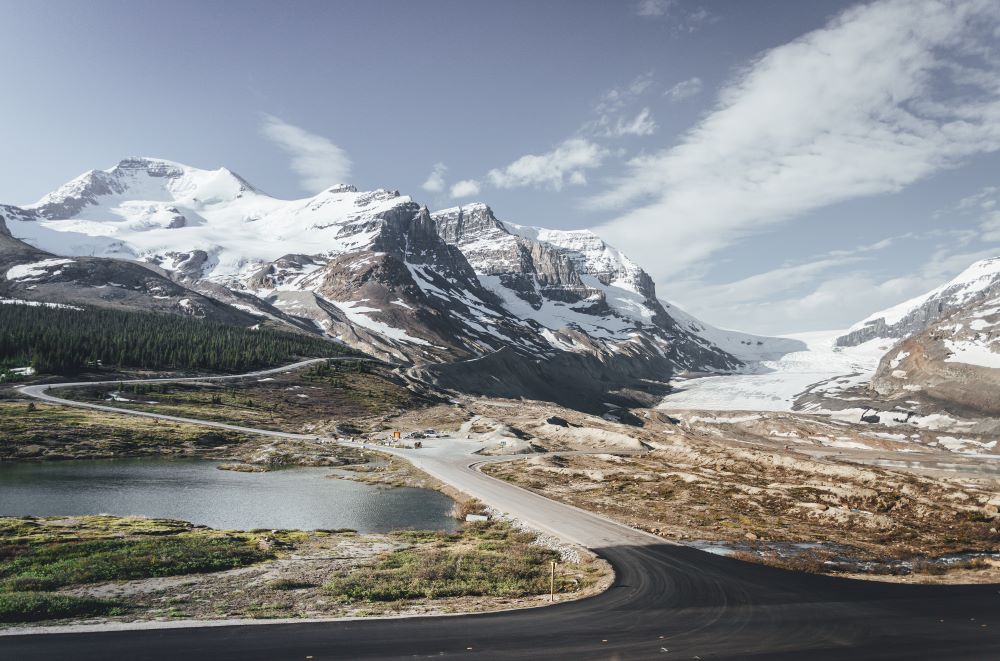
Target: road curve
41	392
667	602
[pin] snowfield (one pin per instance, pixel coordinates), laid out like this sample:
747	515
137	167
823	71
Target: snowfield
149	209
773	385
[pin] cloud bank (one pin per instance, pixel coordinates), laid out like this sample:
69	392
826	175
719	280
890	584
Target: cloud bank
884	95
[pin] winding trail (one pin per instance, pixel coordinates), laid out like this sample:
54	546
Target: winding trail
667	602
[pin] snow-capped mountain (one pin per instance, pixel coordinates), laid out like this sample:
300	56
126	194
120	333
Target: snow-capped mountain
954	361
28	274
584	294
384	274
202	223
979	281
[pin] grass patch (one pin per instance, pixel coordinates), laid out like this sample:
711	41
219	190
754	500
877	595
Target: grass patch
47	554
57	565
30	430
36	606
489	559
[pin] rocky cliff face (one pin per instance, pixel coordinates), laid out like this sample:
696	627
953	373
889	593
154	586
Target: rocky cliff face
954	362
978	282
582	291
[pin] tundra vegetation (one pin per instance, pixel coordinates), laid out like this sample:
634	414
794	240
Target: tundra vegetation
132	568
336	397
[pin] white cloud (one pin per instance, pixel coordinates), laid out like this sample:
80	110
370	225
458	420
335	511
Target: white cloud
465	188
846	111
819	295
983	207
606	127
831	291
435	180
984	199
684	89
991	226
611	121
616	98
317	160
566	163
683	19
653	8
641	124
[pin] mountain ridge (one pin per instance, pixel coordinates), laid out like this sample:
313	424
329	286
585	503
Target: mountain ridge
385	275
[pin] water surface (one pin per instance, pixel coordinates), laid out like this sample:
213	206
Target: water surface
195	490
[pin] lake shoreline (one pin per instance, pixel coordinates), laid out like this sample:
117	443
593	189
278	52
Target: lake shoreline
195	490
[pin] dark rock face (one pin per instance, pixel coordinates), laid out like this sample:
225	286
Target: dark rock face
277	272
188	265
487	243
577	380
413	282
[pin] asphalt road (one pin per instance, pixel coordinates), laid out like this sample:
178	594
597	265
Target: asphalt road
667	602
42	392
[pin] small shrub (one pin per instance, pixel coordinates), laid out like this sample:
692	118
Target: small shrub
471	506
289	584
929	568
35	606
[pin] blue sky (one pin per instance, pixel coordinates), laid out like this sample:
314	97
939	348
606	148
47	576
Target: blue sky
777	166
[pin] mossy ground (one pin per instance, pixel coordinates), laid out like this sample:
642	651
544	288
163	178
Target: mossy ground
31	430
40	557
483	559
113	568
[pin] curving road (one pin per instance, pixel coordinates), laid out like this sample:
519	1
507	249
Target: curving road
41	392
667	602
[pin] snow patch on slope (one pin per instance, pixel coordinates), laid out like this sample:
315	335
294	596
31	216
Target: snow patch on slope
972	352
35	270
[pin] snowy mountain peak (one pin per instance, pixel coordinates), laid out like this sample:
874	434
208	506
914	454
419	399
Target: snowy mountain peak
474	220
160	166
980	280
145	179
592	256
342	188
